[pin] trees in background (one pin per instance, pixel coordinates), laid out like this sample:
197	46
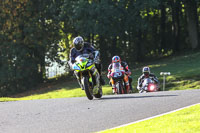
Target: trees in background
136	30
29	32
192	23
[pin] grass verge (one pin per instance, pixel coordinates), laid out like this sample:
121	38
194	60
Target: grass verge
184	70
65	90
183	121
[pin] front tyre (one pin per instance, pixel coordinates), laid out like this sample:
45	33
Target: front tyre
119	88
87	88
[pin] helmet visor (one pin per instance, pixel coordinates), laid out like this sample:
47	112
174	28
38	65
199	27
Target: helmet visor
78	46
146	73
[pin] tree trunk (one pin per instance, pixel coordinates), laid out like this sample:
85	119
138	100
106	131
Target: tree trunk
103	52
162	27
114	46
140	51
192	23
176	24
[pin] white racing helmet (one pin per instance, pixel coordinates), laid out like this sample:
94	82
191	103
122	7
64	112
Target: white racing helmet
78	43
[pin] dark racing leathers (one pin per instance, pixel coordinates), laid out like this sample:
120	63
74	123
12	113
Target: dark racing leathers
127	71
142	77
87	49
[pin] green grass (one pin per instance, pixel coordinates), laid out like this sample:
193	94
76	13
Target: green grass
185	71
64	90
183	121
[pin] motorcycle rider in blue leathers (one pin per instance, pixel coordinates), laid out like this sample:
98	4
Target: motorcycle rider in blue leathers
146	74
81	47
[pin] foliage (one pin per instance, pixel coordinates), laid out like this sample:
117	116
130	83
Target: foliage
184	75
28	36
136	30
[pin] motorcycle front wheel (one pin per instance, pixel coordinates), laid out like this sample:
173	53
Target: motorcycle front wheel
87	88
119	88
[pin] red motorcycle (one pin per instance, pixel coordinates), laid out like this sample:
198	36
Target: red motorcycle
149	85
117	75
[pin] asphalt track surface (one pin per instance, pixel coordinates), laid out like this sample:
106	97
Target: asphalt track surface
80	115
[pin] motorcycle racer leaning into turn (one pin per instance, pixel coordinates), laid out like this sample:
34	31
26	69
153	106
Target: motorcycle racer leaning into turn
146	74
81	47
127	77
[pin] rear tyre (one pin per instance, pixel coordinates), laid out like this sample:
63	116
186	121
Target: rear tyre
87	88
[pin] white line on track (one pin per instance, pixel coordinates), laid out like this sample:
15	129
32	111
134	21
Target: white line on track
151	117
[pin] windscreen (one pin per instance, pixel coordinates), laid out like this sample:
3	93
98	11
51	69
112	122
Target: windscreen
147	81
117	67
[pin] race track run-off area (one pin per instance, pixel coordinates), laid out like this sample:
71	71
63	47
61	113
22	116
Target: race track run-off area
83	115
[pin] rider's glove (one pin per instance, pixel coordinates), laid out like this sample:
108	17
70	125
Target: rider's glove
128	73
96	60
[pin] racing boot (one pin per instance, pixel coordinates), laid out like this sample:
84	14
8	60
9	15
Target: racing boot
99	69
127	87
114	90
130	83
130	89
142	90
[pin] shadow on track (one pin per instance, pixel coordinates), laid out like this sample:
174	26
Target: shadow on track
127	97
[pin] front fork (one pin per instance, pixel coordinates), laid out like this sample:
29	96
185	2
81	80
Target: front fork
94	84
79	76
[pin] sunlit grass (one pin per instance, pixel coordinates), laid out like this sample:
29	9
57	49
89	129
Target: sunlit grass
60	93
184	70
183	121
